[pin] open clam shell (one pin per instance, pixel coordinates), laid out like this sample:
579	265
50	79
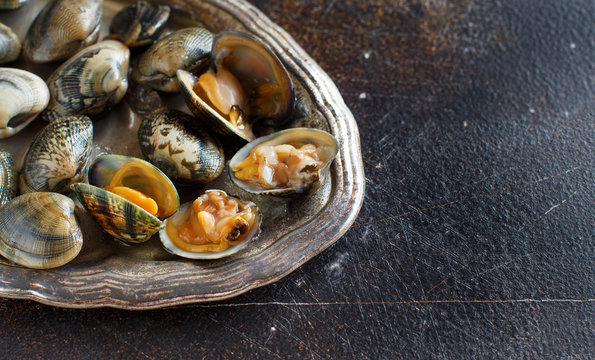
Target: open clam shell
117	216
327	147
58	156
8	178
182	214
40	230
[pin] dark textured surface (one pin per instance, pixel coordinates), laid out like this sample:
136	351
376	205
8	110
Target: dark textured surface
476	235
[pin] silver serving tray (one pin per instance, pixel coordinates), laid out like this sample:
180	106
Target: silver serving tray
107	273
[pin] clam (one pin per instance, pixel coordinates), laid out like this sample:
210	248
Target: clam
181	148
62	28
11	4
89	83
10	46
213	226
288	162
8	178
39	230
139	24
23	95
187	49
58	156
127	197
247	83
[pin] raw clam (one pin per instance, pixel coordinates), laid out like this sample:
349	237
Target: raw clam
10	45
57	156
127	197
11	4
39	230
62	28
213	226
289	162
90	82
23	95
139	24
187	49
176	144
8	178
247	83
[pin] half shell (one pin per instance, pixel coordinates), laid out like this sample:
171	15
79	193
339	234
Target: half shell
39	230
182	149
62	28
10	45
89	83
139	24
57	156
23	95
187	49
8	178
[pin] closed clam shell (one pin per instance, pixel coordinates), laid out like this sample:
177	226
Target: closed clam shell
90	82
10	45
62	28
187	49
139	24
8	178
11	4
57	156
181	148
23	95
40	230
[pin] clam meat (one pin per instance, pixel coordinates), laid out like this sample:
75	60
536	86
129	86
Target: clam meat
89	83
127	197
8	178
62	28
214	225
139	24
58	156
181	148
10	45
288	162
188	49
39	230
23	95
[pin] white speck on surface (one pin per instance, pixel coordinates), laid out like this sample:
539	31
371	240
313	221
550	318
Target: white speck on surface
363	95
367	54
465	123
273	328
378	166
572	45
566	114
532	111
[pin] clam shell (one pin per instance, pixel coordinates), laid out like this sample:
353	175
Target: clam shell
139	24
325	141
173	249
57	156
8	178
11	4
187	49
62	28
39	230
90	82
176	144
10	45
23	95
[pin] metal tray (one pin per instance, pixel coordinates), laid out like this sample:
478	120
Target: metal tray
107	273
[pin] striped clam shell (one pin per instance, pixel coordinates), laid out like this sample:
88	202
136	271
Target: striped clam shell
139	24
40	230
90	82
57	156
175	143
8	178
10	45
62	28
23	95
11	4
187	49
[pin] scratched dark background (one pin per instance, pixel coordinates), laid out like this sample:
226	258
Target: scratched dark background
476	237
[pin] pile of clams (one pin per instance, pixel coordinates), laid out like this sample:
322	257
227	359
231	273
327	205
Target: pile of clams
233	86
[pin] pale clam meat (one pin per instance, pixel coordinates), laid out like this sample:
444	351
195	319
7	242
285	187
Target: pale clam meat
23	95
89	83
58	156
8	178
10	45
62	28
39	230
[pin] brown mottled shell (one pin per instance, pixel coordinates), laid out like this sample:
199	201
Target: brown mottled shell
11	4
62	28
10	45
8	178
139	24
